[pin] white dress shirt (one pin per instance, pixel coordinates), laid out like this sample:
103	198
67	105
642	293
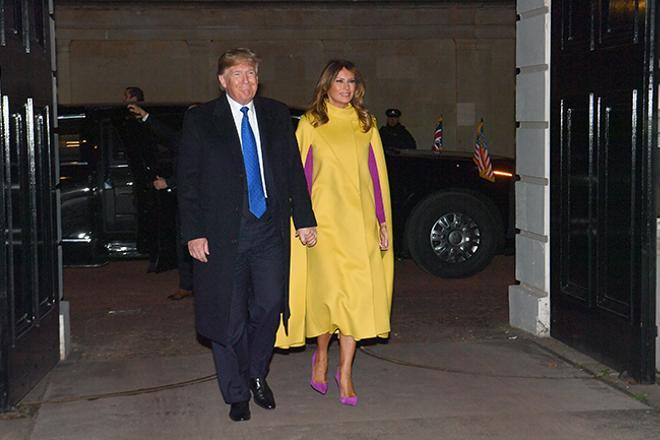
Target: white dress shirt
238	120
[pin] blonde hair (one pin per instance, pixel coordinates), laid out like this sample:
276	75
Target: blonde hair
318	109
236	56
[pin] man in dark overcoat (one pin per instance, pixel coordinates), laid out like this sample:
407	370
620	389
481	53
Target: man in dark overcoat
240	180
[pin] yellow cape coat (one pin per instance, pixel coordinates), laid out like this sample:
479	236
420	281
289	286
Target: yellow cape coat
344	283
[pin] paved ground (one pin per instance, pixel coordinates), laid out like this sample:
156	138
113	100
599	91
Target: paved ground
118	311
452	369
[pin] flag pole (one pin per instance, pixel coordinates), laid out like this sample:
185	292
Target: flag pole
480	127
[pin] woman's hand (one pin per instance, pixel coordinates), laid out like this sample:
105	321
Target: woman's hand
384	241
307	236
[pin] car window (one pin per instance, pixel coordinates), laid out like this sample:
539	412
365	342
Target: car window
123	142
77	149
71	137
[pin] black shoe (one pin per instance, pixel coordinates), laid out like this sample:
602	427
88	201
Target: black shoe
263	396
240	411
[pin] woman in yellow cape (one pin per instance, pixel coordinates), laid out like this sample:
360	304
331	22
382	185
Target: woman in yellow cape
343	284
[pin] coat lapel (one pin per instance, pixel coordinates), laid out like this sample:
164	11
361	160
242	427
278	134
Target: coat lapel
225	130
264	120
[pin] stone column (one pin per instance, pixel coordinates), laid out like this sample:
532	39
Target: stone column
657	296
529	301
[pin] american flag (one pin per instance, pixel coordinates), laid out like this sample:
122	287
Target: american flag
437	137
481	157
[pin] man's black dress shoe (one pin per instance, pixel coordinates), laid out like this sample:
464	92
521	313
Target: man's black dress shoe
240	411
263	396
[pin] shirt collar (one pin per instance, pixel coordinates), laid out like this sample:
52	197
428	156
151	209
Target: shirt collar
236	107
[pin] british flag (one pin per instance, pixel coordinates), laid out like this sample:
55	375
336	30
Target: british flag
481	157
437	137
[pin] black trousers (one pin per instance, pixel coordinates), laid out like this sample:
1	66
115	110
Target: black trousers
257	295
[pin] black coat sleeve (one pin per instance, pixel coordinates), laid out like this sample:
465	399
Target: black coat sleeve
410	142
189	171
301	204
170	137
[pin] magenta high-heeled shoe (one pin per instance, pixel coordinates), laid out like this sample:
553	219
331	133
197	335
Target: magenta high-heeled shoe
317	386
348	401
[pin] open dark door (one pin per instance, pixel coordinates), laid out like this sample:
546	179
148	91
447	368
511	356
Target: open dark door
131	204
120	182
603	219
29	278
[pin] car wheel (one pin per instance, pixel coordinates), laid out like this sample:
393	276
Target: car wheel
452	235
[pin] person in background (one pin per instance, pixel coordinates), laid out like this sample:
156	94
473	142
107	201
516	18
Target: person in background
140	146
343	285
133	94
240	182
394	135
171	139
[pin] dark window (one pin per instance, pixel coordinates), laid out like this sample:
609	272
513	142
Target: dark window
17	26
71	138
78	151
38	15
3	38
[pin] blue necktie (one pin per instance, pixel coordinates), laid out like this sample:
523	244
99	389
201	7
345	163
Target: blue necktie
256	199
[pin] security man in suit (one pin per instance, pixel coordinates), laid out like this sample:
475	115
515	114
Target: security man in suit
240	181
171	139
394	135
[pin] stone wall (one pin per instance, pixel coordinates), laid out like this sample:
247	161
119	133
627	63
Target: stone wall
454	59
529	301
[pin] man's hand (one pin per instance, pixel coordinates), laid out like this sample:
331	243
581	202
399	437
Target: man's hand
137	111
384	241
160	183
307	236
199	249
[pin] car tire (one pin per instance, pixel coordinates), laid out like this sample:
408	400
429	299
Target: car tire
452	235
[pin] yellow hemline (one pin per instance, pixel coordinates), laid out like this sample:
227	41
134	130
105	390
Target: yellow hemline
384	335
286	347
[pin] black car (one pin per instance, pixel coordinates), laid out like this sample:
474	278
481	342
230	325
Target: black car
109	208
447	218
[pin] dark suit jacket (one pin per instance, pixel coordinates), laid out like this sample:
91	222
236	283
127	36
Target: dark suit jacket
211	192
170	138
397	137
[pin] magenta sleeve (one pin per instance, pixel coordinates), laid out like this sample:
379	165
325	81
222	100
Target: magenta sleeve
378	195
309	169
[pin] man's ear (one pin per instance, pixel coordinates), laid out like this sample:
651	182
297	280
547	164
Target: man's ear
223	83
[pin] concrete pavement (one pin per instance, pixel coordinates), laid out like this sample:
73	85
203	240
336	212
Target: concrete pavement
451	370
496	389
